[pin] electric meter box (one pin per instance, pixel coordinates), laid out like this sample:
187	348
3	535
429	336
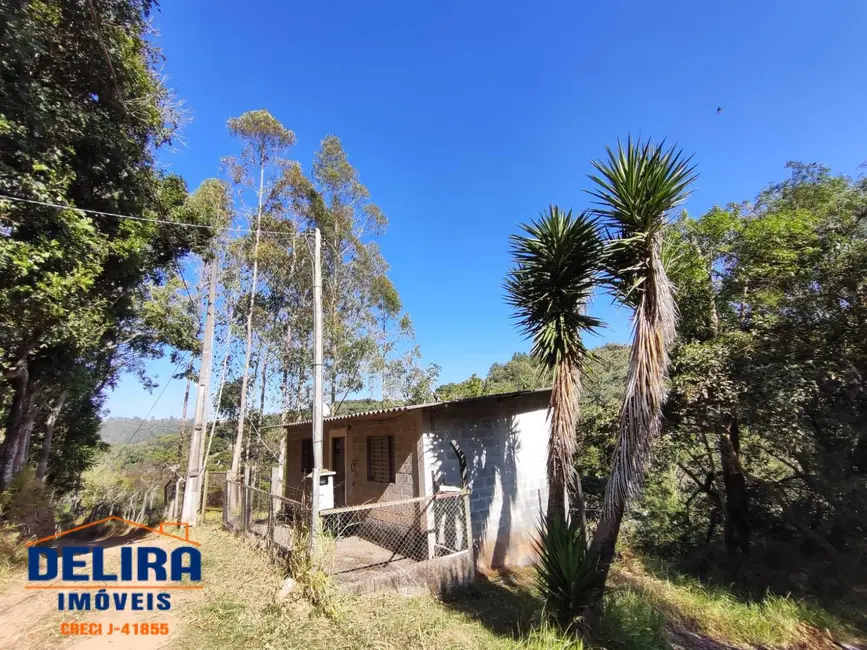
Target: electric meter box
325	487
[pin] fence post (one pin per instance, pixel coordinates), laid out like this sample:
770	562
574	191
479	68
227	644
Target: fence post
244	508
226	502
469	525
468	520
270	521
204	495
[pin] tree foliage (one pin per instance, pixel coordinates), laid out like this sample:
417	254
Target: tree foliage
82	109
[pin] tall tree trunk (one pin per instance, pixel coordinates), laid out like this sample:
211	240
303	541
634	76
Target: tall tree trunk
260	363
48	437
239	437
563	478
262	393
263	390
737	527
19	420
27	432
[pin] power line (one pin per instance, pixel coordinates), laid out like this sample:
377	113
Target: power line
183	224
190	297
153	406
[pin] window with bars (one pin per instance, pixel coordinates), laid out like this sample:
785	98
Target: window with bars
306	456
380	459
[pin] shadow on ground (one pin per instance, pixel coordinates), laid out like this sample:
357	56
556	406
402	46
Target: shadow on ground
504	603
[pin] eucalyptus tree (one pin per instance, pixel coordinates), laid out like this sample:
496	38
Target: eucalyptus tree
362	310
637	188
261	169
556	264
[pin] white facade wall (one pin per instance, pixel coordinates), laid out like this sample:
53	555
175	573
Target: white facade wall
505	443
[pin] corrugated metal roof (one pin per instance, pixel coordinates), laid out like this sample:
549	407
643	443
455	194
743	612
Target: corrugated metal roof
415	407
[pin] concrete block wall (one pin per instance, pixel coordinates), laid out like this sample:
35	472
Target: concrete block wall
505	443
405	429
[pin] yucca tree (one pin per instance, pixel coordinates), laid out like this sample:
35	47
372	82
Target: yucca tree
637	187
556	261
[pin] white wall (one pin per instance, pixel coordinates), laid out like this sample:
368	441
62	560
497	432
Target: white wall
505	443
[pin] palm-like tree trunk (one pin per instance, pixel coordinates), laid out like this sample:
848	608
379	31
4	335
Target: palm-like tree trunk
563	477
641	414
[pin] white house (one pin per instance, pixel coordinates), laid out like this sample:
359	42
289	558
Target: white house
406	452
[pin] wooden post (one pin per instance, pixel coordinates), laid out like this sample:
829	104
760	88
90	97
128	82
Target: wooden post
205	494
226	485
317	389
243	508
270	539
194	467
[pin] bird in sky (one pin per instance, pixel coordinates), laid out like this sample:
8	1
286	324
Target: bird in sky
718	110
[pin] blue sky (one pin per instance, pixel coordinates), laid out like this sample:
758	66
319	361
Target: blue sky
465	118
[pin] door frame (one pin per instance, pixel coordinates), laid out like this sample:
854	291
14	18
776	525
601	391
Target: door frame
339	433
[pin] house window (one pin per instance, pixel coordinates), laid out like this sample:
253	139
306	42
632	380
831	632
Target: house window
380	459
306	456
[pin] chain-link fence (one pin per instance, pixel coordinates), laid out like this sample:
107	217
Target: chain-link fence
390	535
213	494
267	516
369	539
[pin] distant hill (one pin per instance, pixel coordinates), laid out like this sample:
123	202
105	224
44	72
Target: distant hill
119	430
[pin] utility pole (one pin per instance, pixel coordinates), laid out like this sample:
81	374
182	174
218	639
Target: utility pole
194	464
317	389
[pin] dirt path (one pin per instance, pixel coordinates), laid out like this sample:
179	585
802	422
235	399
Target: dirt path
30	618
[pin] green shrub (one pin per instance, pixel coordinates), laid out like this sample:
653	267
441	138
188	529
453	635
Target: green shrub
565	571
308	571
27	506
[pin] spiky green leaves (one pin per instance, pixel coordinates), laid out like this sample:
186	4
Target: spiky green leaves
565	570
556	262
637	187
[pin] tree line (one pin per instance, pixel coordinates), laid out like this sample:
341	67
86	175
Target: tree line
104	254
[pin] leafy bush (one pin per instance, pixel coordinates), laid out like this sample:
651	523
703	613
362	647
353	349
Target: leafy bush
27	506
565	571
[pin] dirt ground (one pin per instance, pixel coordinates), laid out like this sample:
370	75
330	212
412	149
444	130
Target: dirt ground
30	618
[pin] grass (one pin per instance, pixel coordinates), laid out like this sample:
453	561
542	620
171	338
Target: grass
773	621
13	554
238	608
